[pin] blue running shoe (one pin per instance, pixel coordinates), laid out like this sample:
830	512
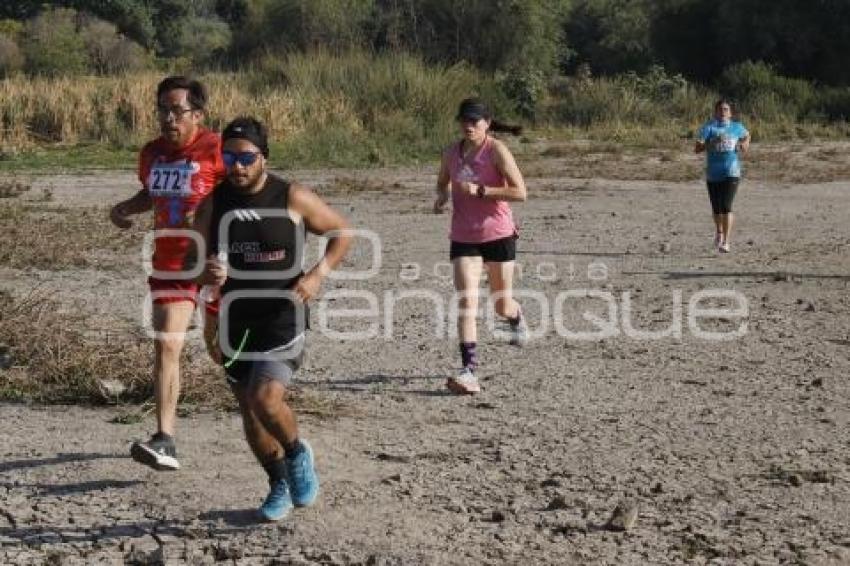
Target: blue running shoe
303	481
278	503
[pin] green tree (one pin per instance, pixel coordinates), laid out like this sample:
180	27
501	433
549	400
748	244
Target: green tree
700	38
108	51
610	36
52	44
203	40
331	24
491	34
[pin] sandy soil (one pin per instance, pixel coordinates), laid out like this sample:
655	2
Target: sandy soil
734	452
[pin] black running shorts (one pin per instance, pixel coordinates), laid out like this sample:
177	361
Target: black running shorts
721	194
263	352
498	251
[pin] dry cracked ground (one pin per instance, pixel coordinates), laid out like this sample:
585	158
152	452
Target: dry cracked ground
731	451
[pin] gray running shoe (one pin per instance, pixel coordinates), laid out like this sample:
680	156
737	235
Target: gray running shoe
158	453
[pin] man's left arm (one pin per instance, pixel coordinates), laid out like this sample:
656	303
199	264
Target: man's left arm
320	219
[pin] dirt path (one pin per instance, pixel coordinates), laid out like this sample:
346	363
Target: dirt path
735	452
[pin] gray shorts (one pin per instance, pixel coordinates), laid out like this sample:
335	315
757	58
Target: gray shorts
279	364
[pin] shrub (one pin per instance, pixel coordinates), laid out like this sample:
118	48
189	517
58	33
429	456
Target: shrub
203	40
525	89
109	52
834	103
760	90
11	58
53	46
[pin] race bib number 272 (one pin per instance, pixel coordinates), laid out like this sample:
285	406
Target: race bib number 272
170	180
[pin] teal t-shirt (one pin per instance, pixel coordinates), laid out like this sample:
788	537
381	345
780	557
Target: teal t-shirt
721	146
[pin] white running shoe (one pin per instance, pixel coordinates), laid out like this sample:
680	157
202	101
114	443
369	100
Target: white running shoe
464	384
513	334
724	248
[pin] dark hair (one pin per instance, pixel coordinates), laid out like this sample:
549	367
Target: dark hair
197	93
475	109
721	101
250	129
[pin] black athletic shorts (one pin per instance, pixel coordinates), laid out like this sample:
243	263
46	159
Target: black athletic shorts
501	250
722	193
263	351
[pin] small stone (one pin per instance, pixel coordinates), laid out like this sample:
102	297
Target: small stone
497	516
795	480
395	478
624	516
5	359
557	502
657	488
111	387
145	550
817	382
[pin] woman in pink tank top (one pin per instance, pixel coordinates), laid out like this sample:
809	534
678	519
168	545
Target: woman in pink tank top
480	175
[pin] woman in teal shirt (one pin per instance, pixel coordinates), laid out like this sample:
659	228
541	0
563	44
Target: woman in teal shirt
722	138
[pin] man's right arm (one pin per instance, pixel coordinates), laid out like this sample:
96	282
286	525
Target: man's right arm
137	204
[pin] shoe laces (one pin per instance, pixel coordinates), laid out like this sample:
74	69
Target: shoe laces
278	492
300	469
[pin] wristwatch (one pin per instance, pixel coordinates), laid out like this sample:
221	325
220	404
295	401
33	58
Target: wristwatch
482	191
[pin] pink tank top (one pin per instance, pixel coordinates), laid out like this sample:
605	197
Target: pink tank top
476	220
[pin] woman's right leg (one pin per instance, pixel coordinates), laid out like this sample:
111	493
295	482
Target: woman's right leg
714	195
730	189
467	274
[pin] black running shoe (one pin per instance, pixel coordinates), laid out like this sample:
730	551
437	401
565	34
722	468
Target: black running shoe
159	453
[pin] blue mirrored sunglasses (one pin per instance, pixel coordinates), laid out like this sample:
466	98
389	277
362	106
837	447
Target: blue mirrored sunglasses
244	158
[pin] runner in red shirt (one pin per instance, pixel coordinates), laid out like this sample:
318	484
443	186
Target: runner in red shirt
177	171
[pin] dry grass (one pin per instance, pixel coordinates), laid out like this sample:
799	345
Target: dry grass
48	354
118	110
353	185
13	188
56	237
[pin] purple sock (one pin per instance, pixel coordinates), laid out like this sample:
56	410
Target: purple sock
468	357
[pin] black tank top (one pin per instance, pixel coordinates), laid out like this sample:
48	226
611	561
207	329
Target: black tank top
264	243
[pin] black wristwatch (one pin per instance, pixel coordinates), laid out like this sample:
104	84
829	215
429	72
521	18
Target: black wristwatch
482	191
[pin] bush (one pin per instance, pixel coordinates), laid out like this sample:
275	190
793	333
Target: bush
834	103
11	58
593	101
766	94
203	40
11	28
52	45
525	89
108	52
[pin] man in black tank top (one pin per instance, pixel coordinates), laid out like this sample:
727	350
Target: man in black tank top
254	227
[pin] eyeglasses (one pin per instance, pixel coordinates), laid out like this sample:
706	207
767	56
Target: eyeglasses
244	158
176	111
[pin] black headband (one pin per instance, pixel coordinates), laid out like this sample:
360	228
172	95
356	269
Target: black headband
249	131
